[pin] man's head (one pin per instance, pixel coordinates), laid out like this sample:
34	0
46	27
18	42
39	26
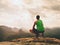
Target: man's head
37	17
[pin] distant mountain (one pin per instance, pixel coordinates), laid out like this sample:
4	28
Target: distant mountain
49	32
6	33
54	32
23	33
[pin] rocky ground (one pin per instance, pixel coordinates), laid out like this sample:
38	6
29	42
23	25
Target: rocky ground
32	41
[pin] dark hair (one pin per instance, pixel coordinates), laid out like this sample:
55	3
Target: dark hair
37	17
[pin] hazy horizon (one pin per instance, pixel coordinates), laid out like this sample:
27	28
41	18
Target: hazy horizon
21	13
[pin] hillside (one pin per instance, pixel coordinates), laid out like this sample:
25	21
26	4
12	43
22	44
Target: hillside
53	32
14	36
8	33
32	41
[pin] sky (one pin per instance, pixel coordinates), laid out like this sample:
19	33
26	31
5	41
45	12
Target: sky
21	13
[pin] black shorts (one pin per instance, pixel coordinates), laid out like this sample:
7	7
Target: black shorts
37	31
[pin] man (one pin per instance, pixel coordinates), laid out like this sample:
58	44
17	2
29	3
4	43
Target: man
39	27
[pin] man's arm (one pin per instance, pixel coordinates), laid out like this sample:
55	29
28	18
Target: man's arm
34	25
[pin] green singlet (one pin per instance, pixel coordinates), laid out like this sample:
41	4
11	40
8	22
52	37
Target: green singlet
39	25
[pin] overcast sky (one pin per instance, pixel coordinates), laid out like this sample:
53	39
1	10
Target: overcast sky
21	13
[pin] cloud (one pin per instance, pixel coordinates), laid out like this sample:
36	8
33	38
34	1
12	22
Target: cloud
19	12
53	5
56	7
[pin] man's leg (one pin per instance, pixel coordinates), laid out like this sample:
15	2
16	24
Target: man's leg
37	35
43	34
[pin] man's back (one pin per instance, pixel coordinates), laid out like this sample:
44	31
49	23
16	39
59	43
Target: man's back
39	25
